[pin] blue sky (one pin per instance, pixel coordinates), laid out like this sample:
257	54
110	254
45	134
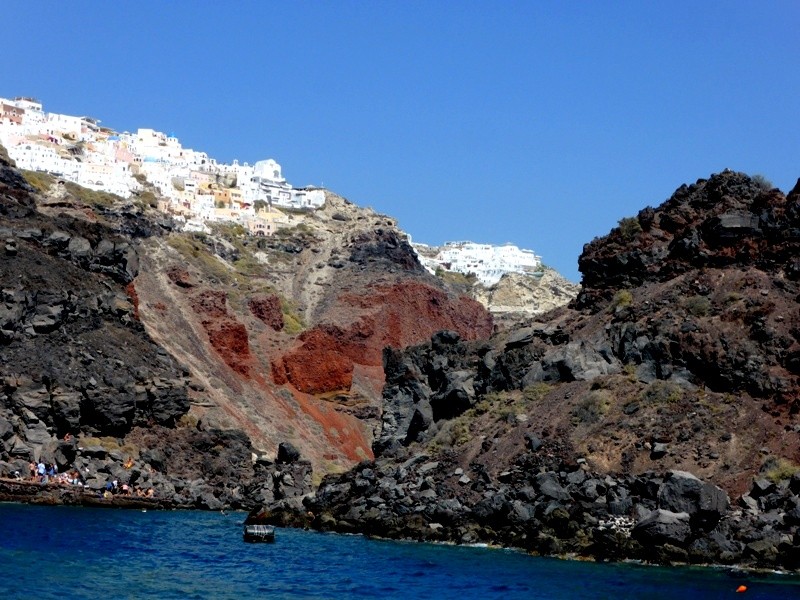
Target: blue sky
539	123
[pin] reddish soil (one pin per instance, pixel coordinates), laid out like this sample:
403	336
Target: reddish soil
398	315
229	338
226	335
267	310
130	289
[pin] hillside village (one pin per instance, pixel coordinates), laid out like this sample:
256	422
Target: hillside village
488	263
194	187
197	189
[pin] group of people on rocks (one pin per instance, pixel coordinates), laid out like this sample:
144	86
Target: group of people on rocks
42	472
47	473
114	488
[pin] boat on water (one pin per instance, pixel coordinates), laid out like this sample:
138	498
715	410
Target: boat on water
259	533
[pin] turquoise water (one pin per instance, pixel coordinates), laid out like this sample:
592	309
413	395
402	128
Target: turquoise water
65	552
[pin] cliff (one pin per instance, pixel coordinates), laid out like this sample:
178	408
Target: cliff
655	417
181	362
518	298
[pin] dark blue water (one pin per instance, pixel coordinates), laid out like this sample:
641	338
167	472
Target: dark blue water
62	552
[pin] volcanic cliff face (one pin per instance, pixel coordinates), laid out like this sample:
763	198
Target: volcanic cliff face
685	335
678	360
284	335
162	347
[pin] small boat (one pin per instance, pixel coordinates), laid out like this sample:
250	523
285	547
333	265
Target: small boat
259	533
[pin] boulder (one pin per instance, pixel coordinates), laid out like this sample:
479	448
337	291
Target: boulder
683	492
457	395
549	486
287	453
662	527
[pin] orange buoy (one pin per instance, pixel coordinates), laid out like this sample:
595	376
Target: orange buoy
741	589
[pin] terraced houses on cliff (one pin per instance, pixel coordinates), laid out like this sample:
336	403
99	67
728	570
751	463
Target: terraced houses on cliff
195	187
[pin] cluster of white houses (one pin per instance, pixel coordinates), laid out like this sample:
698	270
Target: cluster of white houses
194	187
488	263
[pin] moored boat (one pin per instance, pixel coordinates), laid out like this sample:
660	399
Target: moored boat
259	533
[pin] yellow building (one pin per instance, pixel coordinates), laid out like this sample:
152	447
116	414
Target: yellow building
266	221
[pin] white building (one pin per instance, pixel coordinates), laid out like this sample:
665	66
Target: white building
488	263
78	149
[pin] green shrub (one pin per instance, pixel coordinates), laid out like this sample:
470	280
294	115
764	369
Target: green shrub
41	182
662	392
762	182
622	299
456	278
233	232
248	265
91	197
537	391
780	469
191	247
461	432
732	297
592	408
698	306
292	322
629	370
188	421
149	199
629	227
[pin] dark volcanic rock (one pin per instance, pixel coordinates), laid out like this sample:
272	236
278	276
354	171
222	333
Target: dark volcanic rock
703	502
663	527
287	453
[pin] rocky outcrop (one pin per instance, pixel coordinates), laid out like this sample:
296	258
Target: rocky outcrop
619	426
395	316
556	508
704	343
726	221
75	357
517	298
268	310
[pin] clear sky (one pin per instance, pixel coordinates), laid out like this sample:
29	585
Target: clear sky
538	123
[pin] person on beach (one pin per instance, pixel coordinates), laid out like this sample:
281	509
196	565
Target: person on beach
41	471
32	469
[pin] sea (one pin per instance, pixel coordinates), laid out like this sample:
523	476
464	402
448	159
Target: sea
71	552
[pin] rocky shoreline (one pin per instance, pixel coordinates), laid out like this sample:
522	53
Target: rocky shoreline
566	511
52	494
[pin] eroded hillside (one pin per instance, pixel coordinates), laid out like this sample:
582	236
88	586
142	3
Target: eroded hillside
182	362
284	334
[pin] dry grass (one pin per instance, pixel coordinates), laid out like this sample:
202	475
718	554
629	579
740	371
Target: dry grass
41	182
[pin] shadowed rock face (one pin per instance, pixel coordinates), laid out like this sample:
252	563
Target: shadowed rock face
74	356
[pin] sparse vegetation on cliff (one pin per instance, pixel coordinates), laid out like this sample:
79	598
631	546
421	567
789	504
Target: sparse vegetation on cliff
38	180
629	227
